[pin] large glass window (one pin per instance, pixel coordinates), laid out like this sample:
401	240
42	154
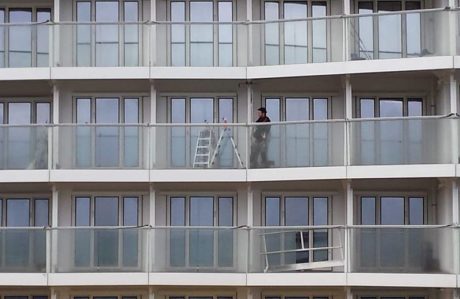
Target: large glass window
202	213
103	246
109	44
294	246
391	141
301	144
397	35
113	145
201	110
287	42
200	50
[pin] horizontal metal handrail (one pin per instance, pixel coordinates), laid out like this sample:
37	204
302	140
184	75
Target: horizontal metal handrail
301	250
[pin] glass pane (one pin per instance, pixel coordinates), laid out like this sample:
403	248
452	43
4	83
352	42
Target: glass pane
106	211
1	212
414	107
392	211
297	109
296	214
2	38
43	15
201	35
226	154
225	10
365	41
20	38
130	211
178	134
177	33
107	147
225	236
83	34
413	30
201	111
18	212
389	30
319	32
43	113
41	216
201	241
83	133
271	33
82	211
107	35
391	134
131	33
416	211
320	237
391	108
320	133
366	108
368	211
273	106
272	211
295	33
414	133
131	134
19	138
177	241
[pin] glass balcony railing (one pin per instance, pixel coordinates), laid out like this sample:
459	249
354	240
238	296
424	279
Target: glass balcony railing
102	146
403	34
383	35
23	250
391	141
199	146
25	45
297	144
99	249
102	44
354	249
409	249
24	146
199	249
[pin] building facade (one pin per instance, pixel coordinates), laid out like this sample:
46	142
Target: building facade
131	166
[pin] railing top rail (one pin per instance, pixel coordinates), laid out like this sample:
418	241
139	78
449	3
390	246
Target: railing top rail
24	228
402	12
25	125
405	118
293	228
401	226
102	125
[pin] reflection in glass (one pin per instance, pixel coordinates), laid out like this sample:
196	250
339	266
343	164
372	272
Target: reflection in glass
272	42
106	240
83	33
389	30
178	134
177	33
413	30
414	133
107	34
225	33
83	134
320	132
82	245
319	32
130	236
107	137
272	218
296	214
19	138
391	133
177	237
297	135
201	35
131	133
392	211
17	242
20	38
320	237
225	236
295	33
366	30
202	240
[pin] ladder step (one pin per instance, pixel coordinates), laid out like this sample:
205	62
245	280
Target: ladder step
202	155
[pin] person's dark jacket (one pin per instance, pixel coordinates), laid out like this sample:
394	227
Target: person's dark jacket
261	132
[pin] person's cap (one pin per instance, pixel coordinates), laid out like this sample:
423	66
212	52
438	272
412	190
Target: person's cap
262	109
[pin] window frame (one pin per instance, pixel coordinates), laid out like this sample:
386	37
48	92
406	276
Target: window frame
4	197
33	103
406	98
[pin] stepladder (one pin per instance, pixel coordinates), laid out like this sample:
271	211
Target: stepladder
208	152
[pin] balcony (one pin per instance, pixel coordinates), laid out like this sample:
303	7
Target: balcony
258	250
373	36
303	144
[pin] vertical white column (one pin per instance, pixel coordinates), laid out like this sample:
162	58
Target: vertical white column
453	93
250	34
250	206
348	116
346	30
53	150
152	33
152	205
53	293
349	215
51	234
249	90
151	232
455	220
55	37
453	109
151	145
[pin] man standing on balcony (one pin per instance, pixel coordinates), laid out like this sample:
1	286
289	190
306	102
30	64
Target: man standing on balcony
260	140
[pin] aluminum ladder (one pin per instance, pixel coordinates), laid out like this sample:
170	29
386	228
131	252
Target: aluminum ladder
203	149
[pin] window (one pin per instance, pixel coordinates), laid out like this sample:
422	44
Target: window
199	251
109	44
108	144
296	210
28	45
24	146
24	249
195	44
298	144
389	35
201	110
104	247
395	141
392	248
287	42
